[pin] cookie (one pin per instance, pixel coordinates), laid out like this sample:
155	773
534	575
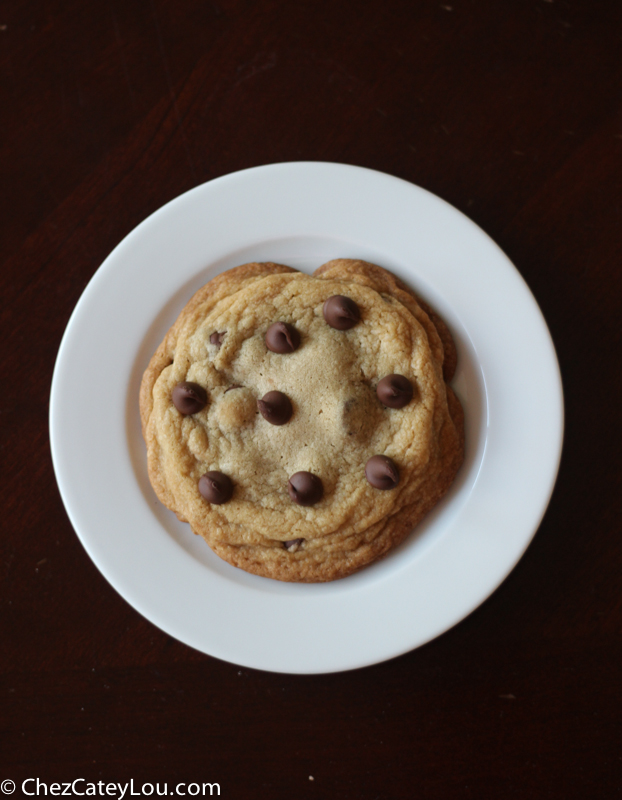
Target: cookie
303	424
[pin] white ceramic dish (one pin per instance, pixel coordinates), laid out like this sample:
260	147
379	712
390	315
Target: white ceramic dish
303	214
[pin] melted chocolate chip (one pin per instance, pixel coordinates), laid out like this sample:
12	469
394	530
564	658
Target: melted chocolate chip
395	391
305	488
293	545
217	338
341	312
188	398
382	473
281	337
276	407
216	487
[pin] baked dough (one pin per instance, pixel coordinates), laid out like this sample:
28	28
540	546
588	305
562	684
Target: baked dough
337	421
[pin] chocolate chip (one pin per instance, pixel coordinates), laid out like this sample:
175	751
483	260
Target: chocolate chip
188	398
216	487
217	338
395	391
305	488
382	473
281	337
276	407
293	545
341	312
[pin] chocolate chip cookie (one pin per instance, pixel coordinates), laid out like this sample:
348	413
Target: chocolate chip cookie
303	424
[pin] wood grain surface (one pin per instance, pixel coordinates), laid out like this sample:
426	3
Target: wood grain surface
508	109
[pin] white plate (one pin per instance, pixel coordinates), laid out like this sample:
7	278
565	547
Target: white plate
303	214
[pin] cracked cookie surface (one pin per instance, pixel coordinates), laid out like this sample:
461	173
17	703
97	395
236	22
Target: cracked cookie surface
334	425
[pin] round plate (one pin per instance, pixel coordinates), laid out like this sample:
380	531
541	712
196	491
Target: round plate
303	214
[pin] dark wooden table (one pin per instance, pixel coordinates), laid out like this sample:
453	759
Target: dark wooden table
508	110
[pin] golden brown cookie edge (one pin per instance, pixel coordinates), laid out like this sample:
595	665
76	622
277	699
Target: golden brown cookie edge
386	282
